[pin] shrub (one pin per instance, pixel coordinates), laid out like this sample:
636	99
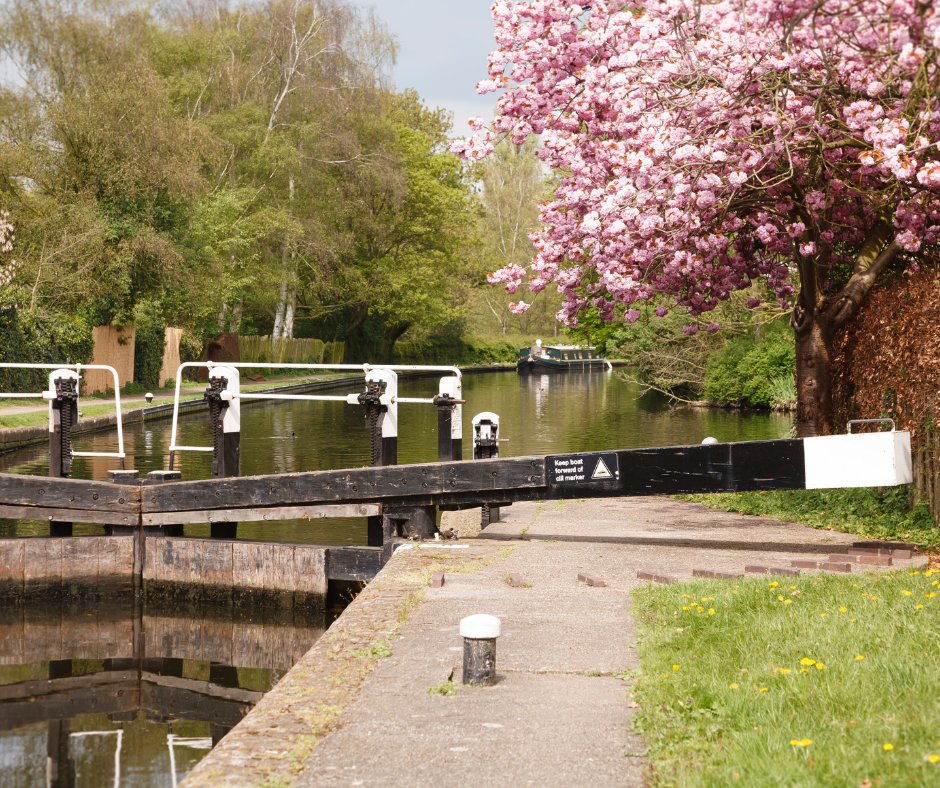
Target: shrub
149	342
747	370
32	338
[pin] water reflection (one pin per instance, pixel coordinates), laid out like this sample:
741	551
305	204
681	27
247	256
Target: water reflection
113	696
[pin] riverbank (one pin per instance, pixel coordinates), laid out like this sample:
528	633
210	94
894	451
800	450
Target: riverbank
378	700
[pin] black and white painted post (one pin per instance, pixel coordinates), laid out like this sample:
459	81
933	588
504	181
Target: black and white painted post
63	416
381	412
485	447
479	633
449	404
222	396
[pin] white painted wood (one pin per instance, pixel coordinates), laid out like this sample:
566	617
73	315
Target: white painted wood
875	459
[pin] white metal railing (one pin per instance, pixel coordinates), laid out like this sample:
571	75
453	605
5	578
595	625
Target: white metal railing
351	399
49	394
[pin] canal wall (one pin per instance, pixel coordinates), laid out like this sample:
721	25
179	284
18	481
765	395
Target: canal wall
190	569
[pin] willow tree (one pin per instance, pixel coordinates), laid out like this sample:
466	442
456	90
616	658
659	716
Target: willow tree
707	145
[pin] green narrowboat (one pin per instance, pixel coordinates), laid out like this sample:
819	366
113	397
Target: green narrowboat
559	358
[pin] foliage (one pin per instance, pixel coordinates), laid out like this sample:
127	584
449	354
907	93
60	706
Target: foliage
784	681
40	339
249	171
747	368
875	513
149	342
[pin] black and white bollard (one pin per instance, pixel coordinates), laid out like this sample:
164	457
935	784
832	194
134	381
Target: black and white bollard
485	447
381	411
63	416
449	420
479	633
225	415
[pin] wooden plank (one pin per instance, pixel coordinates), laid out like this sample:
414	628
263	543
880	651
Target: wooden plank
273	513
45	514
215	561
115	562
17	489
310	570
248	563
355	485
279	568
12	641
496	474
42	565
79	563
353	563
12	557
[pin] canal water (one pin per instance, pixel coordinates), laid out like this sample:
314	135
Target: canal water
109	694
539	414
115	696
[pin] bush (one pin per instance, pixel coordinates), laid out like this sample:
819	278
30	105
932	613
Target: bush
149	343
30	338
748	370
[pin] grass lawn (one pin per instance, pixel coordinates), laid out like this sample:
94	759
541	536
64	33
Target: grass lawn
819	680
879	514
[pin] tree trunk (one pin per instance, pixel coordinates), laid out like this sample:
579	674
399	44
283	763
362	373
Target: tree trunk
816	318
813	377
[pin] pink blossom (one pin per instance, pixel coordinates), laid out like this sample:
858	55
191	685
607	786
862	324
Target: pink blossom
683	167
519	307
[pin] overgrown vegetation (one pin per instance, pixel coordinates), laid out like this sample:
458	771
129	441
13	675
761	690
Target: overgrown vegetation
820	680
877	513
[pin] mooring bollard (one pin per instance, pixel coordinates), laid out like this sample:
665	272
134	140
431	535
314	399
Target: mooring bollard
449	420
381	411
485	447
225	415
63	416
479	633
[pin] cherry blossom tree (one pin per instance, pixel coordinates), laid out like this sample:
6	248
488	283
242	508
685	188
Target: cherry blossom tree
706	145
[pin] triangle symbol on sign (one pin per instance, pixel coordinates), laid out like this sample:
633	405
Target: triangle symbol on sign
601	471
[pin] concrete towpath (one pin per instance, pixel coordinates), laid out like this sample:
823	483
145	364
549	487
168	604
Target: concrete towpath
371	703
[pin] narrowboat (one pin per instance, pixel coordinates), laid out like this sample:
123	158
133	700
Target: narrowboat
559	358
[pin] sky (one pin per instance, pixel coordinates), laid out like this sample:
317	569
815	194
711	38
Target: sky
442	49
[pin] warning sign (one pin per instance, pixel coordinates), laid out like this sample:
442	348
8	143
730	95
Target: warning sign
568	469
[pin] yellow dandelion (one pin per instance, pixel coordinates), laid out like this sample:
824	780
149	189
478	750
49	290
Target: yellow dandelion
930	594
794	742
804	670
783	671
932	758
780	597
685	608
906	592
675	667
887	746
859	657
843	610
733	685
820	666
918	607
711	611
762	689
807	661
773	584
805	742
788	601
